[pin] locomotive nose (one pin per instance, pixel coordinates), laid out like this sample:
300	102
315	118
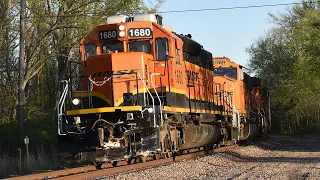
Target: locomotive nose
129	69
117	78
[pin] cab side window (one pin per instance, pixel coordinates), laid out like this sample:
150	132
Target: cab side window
178	56
162	49
178	61
90	50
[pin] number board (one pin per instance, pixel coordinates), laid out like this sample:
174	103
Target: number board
219	61
140	32
105	35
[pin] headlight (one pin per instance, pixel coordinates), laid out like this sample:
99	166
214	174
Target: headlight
130	116
150	110
76	101
121	34
121	27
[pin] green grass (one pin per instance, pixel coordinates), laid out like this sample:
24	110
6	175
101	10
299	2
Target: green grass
39	161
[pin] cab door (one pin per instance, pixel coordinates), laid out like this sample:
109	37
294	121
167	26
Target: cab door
179	75
161	66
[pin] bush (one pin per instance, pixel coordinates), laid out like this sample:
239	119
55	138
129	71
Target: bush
310	128
42	160
42	132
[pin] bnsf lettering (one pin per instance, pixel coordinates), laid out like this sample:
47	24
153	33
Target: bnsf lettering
97	74
192	75
118	72
102	74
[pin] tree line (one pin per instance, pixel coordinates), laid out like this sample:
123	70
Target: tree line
287	58
53	30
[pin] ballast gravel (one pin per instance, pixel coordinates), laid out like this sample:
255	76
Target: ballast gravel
274	157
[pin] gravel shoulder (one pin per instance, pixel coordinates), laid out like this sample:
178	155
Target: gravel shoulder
274	157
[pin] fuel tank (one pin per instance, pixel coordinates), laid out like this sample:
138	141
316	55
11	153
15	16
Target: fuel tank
249	131
199	135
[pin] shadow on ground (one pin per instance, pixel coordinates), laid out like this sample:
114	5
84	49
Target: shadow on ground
292	144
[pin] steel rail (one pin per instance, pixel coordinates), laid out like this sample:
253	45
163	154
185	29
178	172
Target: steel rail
88	172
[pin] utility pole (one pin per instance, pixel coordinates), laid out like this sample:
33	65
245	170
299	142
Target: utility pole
21	92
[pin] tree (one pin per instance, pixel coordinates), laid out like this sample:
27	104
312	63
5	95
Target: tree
287	60
8	64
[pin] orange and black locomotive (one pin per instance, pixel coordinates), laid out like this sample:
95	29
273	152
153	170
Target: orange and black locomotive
145	90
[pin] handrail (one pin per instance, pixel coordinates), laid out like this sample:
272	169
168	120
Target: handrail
153	107
60	106
234	111
161	118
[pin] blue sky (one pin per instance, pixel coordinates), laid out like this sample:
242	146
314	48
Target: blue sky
226	32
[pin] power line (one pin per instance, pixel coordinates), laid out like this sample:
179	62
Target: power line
230	8
190	10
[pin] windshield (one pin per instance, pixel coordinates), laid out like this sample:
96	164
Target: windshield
112	46
139	46
228	71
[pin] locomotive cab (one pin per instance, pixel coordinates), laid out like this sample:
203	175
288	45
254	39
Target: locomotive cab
125	48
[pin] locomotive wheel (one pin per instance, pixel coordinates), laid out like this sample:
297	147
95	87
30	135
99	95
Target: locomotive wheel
206	148
177	153
168	155
129	161
141	159
167	143
98	165
156	156
114	163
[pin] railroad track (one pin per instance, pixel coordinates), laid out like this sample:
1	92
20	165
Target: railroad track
88	172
